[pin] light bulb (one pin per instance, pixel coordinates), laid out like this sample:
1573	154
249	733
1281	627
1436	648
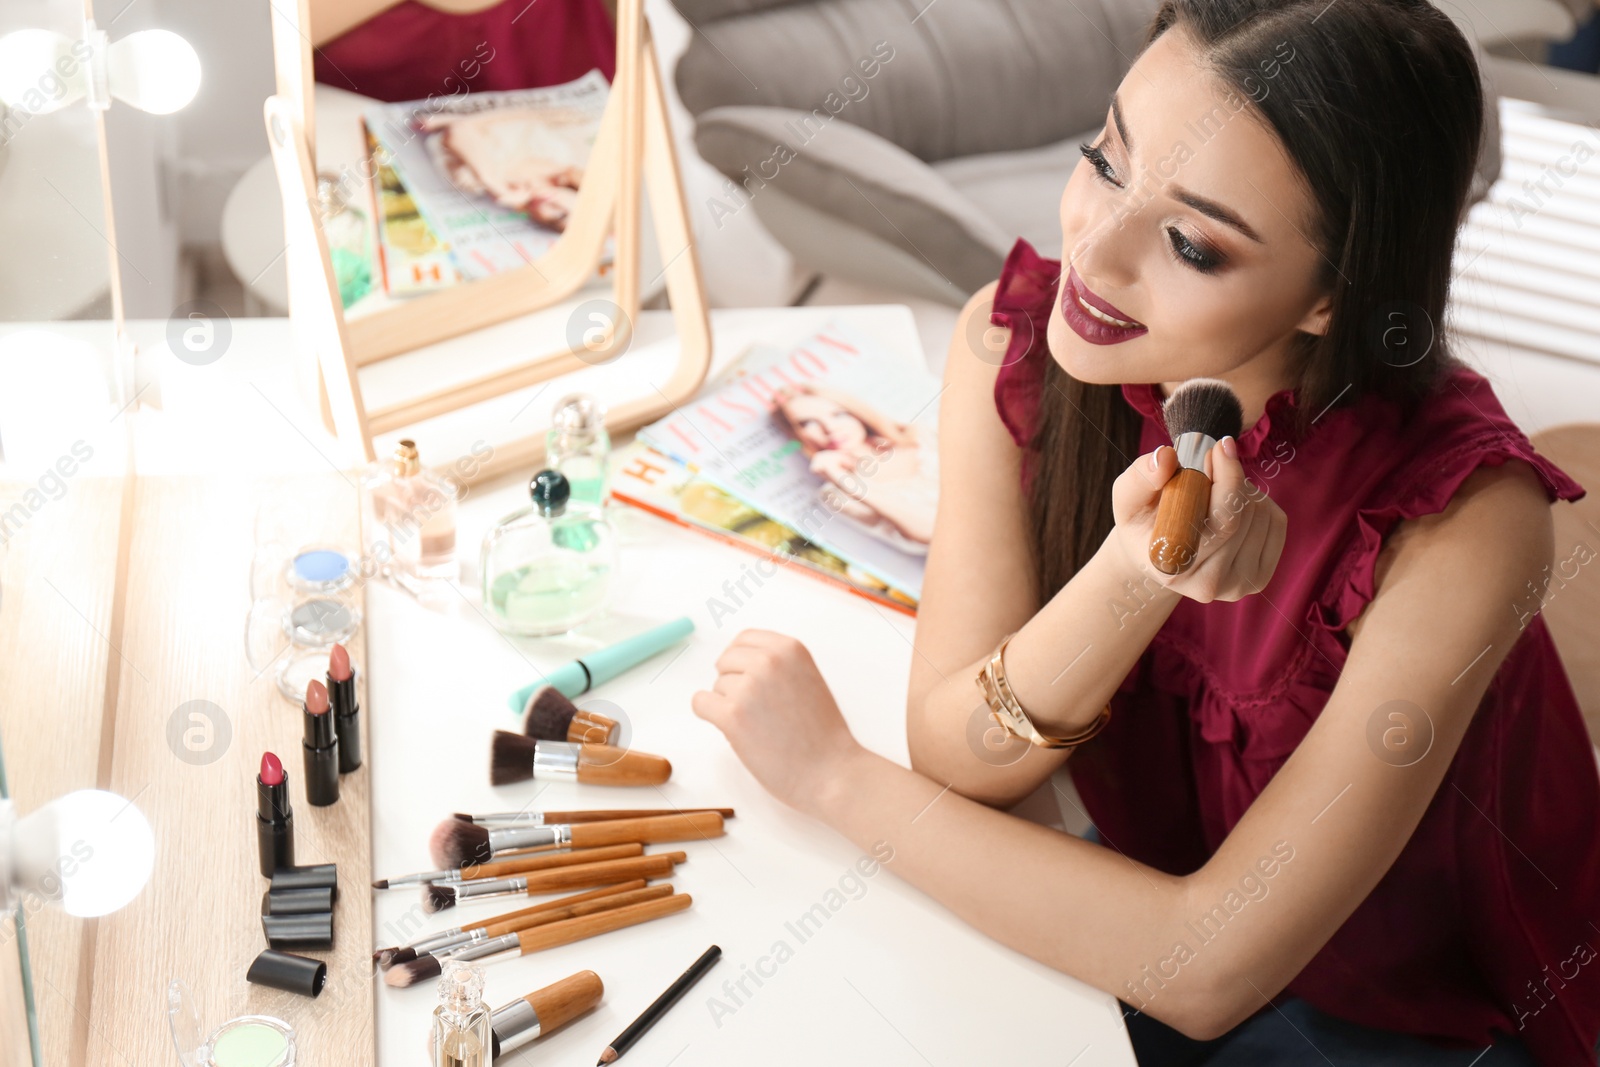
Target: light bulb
42	71
154	70
91	850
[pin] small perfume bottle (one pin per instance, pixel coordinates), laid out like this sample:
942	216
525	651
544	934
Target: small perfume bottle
461	1036
548	567
578	445
411	513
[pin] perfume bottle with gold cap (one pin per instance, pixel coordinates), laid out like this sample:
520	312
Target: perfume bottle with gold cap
410	516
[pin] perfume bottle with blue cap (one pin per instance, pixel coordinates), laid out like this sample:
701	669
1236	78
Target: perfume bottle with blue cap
548	567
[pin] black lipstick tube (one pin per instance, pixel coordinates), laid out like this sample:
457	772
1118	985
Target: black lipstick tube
321	748
274	825
342	698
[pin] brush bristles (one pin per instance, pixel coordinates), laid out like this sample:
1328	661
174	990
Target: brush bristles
1206	405
549	714
411	972
510	758
381	883
459	844
391	957
436	898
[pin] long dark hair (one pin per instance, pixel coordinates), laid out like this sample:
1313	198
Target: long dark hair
1381	108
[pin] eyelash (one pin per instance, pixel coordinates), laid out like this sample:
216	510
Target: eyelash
1185	251
1196	255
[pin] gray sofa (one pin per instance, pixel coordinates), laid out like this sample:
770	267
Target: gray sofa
903	143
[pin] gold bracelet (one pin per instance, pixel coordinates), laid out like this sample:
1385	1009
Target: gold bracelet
1008	712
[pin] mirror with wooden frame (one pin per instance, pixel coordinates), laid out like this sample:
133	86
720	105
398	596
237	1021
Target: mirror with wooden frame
341	349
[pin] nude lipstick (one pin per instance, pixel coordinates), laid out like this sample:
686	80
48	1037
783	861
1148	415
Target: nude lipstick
274	818
342	694
1085	323
321	748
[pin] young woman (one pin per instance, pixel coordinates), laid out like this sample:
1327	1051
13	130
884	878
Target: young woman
876	473
1343	770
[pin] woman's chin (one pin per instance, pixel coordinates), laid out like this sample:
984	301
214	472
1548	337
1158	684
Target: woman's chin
1094	364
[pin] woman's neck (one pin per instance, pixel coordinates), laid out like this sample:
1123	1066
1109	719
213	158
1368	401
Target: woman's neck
1252	386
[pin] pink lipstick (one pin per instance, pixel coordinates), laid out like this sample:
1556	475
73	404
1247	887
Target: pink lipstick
321	747
347	712
1085	324
274	819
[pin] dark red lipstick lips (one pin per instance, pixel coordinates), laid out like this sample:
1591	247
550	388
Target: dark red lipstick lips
1086	325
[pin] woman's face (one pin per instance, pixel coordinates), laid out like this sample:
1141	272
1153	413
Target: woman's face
1204	298
823	425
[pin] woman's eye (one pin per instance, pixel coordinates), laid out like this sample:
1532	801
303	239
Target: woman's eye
1201	259
1097	160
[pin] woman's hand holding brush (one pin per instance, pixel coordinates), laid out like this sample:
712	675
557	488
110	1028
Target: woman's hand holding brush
1206	533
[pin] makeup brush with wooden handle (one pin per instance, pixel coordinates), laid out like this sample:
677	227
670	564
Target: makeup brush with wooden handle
545	818
542	937
460	844
514	1025
1198	414
515	863
443	947
581	876
515	758
386	957
552	717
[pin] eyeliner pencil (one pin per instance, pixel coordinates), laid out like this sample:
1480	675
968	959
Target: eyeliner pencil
652	1015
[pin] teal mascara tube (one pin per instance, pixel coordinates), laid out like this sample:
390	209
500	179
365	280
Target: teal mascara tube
573	679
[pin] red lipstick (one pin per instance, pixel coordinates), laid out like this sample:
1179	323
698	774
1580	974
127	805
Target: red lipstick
321	748
342	693
1094	330
274	819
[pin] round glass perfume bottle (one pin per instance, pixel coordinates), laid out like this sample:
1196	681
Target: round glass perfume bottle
548	567
578	445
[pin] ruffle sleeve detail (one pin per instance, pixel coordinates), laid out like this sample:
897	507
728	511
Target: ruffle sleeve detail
1022	301
1428	492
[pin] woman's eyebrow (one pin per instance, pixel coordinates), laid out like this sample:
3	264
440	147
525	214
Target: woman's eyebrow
1212	209
1122	128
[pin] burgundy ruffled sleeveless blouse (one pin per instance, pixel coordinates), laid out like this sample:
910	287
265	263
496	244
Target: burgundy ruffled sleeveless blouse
412	51
1484	921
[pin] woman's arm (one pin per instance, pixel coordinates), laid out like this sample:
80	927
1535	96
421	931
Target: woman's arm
1067	658
1307	852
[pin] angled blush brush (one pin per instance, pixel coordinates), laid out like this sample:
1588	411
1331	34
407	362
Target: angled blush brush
542	937
545	818
386	957
550	716
581	876
1198	414
462	844
516	758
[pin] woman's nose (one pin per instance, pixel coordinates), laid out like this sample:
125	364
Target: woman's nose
1106	251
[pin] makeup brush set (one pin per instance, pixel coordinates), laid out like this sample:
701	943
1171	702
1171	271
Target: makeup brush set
533	853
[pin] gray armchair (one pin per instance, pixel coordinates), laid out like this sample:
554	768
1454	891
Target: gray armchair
909	143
